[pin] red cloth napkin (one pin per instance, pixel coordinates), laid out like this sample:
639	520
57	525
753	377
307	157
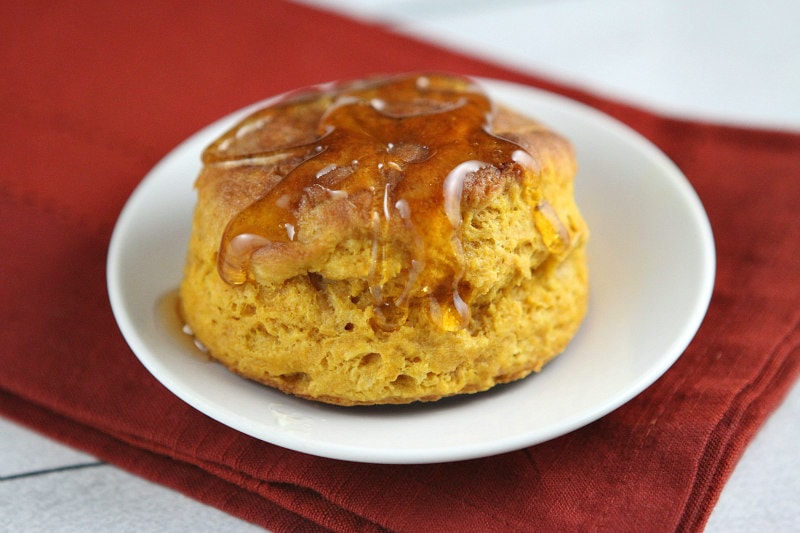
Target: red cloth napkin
93	94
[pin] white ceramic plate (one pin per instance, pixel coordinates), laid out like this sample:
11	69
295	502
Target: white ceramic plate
652	266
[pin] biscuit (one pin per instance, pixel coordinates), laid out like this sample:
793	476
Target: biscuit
386	241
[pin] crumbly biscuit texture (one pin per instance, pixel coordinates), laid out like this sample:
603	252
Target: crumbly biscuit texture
362	297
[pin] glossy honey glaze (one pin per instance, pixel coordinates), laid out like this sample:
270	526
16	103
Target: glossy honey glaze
408	141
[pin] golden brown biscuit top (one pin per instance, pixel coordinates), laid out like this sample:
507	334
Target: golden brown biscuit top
391	161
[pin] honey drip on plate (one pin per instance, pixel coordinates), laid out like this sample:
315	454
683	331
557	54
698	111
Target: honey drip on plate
169	316
411	142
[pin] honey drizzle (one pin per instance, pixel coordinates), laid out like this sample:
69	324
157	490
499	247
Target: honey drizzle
411	142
